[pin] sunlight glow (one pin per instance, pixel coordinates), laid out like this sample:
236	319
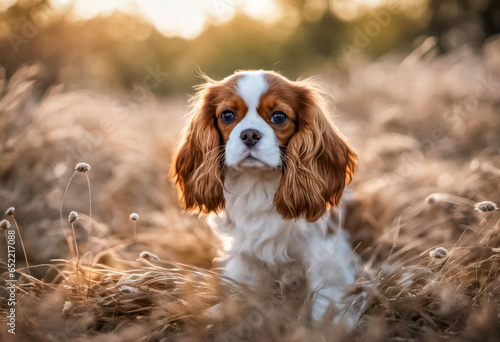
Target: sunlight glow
184	18
348	10
188	18
90	8
6	4
265	10
369	3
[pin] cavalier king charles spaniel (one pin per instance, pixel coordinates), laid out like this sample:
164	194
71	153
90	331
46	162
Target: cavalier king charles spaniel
261	152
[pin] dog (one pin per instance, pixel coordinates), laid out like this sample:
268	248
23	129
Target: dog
261	152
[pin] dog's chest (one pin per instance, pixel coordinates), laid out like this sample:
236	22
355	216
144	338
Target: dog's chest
253	223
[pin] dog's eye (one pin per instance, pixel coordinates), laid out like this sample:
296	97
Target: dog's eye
227	117
279	118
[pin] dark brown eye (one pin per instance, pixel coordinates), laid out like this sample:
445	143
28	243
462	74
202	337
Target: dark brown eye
279	118
227	117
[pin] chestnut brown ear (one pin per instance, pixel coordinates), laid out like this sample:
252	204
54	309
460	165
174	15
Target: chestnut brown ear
319	162
197	163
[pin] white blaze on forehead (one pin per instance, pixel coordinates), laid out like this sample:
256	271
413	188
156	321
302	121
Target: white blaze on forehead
251	87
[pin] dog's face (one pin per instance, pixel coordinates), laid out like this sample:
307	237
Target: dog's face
259	119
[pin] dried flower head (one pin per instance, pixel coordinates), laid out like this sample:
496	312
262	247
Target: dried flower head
82	167
66	307
475	164
433	198
485	206
127	289
149	256
134	216
4	224
73	216
10	211
439	253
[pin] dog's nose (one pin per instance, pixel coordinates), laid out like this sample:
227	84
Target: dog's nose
250	137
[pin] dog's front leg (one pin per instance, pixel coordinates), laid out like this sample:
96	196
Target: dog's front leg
331	269
239	268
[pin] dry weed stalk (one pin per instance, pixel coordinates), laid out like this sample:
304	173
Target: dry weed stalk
85	168
134	217
10	212
73	216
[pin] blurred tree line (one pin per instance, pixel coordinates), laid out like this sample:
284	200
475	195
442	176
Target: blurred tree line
123	50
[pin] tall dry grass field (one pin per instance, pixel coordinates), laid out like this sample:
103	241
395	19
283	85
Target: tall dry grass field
427	130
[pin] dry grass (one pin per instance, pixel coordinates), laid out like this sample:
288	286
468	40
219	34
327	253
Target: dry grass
427	131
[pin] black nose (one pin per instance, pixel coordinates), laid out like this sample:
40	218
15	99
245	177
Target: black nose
250	137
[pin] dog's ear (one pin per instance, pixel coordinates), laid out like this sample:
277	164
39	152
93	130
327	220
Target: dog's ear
319	161
197	163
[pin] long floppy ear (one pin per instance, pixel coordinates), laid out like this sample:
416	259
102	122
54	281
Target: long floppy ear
197	163
319	161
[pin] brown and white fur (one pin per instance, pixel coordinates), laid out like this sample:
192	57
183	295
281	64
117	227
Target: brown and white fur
261	152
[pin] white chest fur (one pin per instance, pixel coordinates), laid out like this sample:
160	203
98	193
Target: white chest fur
263	244
253	223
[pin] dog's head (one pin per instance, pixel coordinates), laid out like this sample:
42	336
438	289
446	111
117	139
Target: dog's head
259	119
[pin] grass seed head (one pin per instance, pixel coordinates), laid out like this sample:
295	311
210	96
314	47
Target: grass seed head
82	167
127	289
149	256
66	307
134	216
73	216
4	224
439	253
433	199
10	211
485	206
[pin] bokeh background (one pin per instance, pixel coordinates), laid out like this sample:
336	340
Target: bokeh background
414	85
114	44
